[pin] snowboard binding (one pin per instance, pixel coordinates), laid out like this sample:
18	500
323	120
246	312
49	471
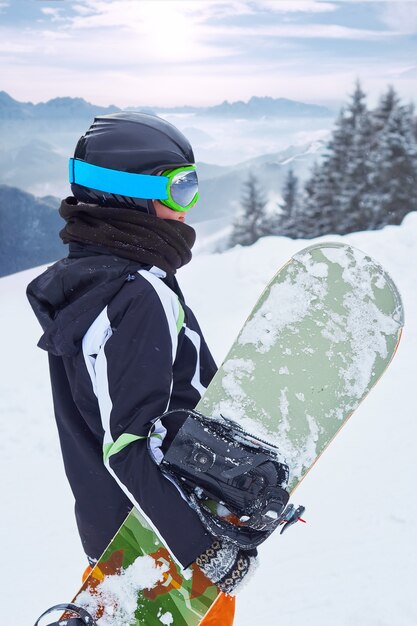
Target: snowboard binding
81	616
233	480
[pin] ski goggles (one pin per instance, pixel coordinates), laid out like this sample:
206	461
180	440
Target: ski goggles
176	188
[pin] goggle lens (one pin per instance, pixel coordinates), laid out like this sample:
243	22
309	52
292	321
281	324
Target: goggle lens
184	187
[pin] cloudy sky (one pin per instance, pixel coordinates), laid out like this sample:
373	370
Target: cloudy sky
174	52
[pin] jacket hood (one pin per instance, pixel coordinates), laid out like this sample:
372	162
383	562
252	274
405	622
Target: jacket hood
70	294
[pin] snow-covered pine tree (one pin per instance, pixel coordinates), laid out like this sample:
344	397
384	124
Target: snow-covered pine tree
284	223
320	207
389	101
333	199
316	216
394	169
252	222
353	213
368	174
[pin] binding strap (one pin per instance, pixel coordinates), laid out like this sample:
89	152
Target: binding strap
82	617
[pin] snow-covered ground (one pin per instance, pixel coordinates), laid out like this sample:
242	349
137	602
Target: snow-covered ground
353	564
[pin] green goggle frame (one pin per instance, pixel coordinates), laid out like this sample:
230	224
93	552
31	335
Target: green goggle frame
182	188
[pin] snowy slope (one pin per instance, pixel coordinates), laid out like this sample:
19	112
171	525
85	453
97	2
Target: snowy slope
354	563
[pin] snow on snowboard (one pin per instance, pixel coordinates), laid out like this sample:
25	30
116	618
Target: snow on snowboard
316	342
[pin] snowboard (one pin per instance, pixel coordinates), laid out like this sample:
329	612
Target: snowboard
317	341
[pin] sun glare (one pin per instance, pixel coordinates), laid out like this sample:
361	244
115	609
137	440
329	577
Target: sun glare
170	28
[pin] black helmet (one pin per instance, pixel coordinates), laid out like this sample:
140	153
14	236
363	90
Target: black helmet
130	142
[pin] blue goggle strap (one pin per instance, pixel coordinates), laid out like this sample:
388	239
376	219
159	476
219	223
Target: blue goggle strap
143	186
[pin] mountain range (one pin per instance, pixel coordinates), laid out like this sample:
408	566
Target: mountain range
11	109
258	107
78	108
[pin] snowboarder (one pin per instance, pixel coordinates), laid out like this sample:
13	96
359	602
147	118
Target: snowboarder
123	346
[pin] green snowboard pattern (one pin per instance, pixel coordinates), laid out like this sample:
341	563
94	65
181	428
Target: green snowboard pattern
317	341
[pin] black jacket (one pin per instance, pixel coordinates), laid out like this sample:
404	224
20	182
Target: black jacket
123	348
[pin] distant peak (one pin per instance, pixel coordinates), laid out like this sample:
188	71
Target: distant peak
5	97
64	100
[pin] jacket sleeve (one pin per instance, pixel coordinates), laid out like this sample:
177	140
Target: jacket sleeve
134	374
